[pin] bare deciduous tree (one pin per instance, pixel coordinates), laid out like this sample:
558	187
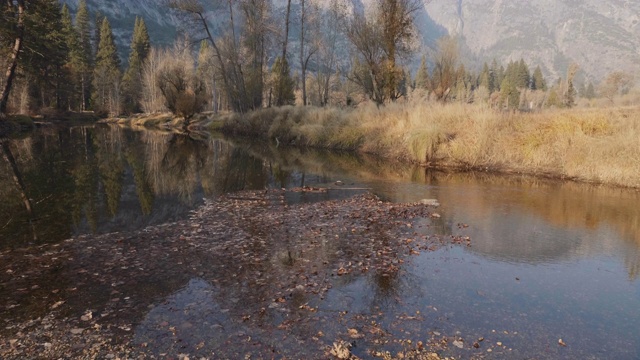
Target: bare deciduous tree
151	96
328	40
444	68
239	56
183	91
309	29
194	11
380	39
616	83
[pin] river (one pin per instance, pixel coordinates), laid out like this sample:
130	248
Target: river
552	272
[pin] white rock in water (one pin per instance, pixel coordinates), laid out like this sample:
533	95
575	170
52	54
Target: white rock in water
459	344
430	202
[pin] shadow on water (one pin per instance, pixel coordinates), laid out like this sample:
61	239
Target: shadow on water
567	243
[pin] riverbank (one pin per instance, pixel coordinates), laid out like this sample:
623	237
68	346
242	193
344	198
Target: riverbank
246	275
164	121
15	125
589	145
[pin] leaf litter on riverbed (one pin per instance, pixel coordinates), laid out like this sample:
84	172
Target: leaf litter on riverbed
258	270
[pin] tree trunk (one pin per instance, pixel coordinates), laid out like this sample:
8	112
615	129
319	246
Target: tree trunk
13	64
302	62
280	93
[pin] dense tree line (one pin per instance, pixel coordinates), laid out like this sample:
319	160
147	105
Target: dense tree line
55	62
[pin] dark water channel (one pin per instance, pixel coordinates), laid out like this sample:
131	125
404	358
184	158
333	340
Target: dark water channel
549	260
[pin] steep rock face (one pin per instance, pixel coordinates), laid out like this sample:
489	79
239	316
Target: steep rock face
160	21
599	35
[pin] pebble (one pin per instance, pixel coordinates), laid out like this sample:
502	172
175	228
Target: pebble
77	331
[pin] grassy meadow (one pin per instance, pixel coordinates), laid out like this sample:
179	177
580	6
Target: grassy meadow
595	145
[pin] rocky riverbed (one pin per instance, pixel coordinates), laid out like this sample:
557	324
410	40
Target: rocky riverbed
248	275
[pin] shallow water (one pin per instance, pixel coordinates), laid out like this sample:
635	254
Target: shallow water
549	260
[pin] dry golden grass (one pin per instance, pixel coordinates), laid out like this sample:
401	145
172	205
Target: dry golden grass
595	145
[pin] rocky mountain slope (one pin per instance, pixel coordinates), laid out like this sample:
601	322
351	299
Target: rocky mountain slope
599	35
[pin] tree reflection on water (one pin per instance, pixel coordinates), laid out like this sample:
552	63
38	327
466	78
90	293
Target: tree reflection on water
101	179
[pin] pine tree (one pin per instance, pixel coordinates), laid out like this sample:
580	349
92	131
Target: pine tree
70	90
106	75
132	80
98	18
422	76
538	82
494	77
141	41
509	93
47	52
500	75
85	55
283	84
33	33
523	76
485	77
570	90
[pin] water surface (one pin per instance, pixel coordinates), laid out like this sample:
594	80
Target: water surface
549	260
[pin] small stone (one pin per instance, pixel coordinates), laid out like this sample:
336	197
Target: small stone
57	304
430	202
499	343
48	345
77	331
459	344
561	343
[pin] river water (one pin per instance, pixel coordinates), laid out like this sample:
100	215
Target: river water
549	260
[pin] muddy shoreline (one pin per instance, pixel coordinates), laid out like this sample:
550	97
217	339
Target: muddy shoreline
247	274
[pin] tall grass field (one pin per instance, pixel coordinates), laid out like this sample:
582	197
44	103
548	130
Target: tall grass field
593	145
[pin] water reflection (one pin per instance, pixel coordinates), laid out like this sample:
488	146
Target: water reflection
567	243
511	218
101	179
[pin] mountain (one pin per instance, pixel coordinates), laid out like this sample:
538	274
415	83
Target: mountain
601	36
